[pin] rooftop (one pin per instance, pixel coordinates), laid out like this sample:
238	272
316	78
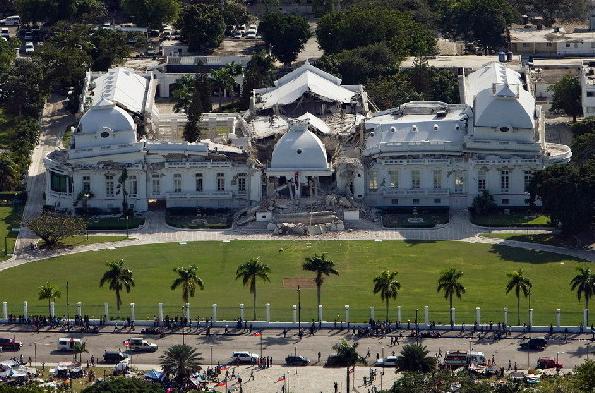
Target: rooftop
468	61
122	86
565	33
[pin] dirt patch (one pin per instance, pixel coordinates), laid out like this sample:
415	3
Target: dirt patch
293	282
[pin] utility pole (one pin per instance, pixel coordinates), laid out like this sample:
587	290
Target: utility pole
299	308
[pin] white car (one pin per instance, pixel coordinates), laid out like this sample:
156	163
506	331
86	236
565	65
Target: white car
4	33
244	358
237	34
251	34
29	48
14	20
389	361
136	344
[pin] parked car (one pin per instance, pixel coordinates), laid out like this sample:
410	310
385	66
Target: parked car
28	35
251	34
536	343
244	358
4	33
389	361
29	48
114	357
137	344
14	20
237	34
544	363
8	344
68	343
296	360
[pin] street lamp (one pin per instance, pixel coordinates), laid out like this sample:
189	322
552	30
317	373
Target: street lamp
211	354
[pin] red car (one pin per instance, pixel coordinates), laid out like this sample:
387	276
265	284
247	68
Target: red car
8	344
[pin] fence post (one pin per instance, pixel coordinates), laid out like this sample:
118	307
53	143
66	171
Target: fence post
294	313
79	309
160	312
214	313
5	310
132	316
427	315
478	315
52	309
25	310
106	311
320	312
372	313
398	314
347	313
267	308
558	318
242	311
453	313
530	317
506	316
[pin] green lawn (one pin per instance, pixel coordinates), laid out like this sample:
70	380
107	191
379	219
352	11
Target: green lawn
9	217
511	220
542	238
418	263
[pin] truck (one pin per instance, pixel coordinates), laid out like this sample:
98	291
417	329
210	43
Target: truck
455	359
137	344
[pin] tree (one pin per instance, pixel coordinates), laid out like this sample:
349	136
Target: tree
7	54
109	47
414	357
567	96
320	266
202	26
449	282
224	79
182	94
49	292
235	13
249	272
286	34
387	286
79	349
361	26
123	385
583	284
583	126
188	279
23	89
391	92
52	11
346	356
180	362
54	227
118	277
152	13
583	149
200	102
9	173
483	203
258	74
521	284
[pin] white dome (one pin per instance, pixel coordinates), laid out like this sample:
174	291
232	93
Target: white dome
299	149
106	115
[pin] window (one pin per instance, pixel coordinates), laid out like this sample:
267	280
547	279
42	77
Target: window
416	201
198	180
437	200
109	185
86	184
177	182
373	181
505	201
504	180
242	183
155	184
132	186
59	183
481	181
394	201
459	183
437	179
590	94
220	182
528	175
527	201
415	179
393	178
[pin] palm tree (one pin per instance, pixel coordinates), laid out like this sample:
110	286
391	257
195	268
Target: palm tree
180	361
79	349
520	283
49	292
322	267
414	357
387	285
119	277
249	272
449	283
189	280
584	285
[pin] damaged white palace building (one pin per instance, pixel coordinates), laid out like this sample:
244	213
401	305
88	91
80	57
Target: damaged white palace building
305	137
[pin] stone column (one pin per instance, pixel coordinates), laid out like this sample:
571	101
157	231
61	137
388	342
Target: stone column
160	313
427	315
187	309
347	313
242	311
294	313
453	315
478	315
132	316
399	314
530	317
106	311
25	309
586	317
372	313
52	309
5	310
558	318
267	308
506	316
214	313
79	309
320	312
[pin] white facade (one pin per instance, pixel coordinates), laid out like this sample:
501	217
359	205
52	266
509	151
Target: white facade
588	88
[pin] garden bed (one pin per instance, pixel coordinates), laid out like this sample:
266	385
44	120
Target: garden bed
191	218
423	218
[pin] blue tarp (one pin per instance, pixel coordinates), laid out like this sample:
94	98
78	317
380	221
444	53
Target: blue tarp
154	375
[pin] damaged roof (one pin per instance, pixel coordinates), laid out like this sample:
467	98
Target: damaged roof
123	87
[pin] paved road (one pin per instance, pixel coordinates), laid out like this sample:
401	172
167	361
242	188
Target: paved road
275	345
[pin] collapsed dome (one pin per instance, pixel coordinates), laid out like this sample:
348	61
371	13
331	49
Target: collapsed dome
299	148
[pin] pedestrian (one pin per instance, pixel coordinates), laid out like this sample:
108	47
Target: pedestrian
319	355
252	375
515	367
336	385
368	353
509	365
493	362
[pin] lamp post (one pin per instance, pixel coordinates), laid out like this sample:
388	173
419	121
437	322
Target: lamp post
211	354
299	293
67	307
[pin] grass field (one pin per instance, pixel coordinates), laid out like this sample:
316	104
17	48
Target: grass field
514	219
418	263
542	238
10	217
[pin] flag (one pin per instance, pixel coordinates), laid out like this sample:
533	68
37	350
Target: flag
280	379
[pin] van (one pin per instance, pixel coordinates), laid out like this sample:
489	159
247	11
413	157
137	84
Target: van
68	343
455	359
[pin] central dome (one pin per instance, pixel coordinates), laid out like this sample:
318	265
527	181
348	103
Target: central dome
299	148
106	115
